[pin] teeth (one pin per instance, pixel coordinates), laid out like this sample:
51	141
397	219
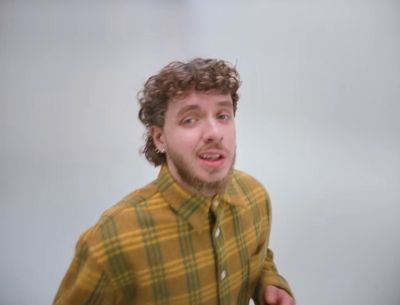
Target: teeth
211	156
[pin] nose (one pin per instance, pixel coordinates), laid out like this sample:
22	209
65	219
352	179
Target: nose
212	131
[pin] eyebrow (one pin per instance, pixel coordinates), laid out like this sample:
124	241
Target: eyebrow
226	104
187	108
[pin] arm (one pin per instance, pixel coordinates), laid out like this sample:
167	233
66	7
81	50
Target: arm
271	278
85	282
272	288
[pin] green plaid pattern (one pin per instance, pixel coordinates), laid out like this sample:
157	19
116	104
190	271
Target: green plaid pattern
163	245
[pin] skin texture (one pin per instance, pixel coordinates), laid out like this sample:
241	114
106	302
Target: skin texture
276	296
199	139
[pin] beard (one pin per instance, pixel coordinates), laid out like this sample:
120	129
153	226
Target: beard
188	176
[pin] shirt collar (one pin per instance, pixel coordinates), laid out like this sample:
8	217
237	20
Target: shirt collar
194	207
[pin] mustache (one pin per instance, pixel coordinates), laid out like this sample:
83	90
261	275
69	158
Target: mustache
213	145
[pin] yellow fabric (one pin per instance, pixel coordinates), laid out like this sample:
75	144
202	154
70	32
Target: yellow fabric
164	245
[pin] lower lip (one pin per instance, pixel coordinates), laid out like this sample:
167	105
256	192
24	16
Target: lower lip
213	163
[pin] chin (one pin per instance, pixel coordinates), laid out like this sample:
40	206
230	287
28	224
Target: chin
220	176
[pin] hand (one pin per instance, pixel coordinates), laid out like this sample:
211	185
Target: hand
277	296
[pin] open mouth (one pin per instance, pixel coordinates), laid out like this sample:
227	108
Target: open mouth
211	156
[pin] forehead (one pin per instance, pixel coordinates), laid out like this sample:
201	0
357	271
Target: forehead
201	100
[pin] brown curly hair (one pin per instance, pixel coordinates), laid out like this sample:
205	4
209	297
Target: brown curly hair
175	81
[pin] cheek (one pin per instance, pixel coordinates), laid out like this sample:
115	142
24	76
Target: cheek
186	140
231	137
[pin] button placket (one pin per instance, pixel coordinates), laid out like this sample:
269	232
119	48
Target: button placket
223	275
219	251
217	237
217	232
214	205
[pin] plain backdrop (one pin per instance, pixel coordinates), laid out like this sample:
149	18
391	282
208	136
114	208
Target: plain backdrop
318	124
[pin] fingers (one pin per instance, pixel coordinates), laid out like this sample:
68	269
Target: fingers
276	296
284	298
271	295
287	300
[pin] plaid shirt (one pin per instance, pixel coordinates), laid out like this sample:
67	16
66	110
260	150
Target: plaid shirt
164	245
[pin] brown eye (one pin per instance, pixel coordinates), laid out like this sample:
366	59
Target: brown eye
223	117
188	121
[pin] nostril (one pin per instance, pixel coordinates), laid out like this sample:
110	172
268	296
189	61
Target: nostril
214	139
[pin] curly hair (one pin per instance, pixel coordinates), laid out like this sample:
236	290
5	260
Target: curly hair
176	80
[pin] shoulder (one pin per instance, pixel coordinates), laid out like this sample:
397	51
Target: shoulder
121	217
134	200
252	191
248	183
238	174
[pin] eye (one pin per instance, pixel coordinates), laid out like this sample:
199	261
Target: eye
188	121
223	116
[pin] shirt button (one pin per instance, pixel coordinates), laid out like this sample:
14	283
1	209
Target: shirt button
217	232
215	204
223	275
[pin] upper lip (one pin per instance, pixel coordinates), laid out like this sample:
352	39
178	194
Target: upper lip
220	152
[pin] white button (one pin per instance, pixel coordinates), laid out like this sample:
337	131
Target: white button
223	275
217	232
215	204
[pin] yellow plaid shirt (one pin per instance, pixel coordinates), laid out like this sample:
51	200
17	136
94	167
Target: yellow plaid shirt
164	245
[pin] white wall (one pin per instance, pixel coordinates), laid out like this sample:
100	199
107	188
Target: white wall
317	123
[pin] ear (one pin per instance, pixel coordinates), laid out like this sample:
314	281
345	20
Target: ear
158	137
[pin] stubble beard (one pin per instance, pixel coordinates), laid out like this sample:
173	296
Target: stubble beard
185	172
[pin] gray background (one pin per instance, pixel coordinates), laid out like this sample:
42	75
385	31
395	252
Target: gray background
317	124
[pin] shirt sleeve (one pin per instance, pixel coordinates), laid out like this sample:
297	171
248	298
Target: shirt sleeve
270	276
269	273
85	282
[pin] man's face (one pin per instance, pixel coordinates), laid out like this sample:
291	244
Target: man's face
199	138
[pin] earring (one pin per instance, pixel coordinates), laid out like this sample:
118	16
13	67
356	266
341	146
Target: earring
160	150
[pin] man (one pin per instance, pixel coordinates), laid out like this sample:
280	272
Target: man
199	233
